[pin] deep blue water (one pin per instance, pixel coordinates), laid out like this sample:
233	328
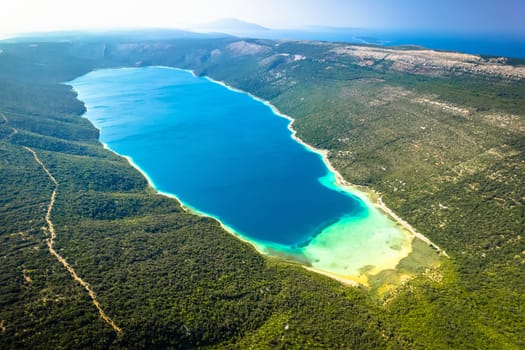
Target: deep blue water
220	152
481	44
491	44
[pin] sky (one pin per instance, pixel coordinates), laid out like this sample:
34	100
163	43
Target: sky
493	16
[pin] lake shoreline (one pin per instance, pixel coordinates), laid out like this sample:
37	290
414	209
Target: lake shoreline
373	196
266	248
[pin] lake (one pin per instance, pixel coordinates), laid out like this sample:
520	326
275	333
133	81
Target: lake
225	154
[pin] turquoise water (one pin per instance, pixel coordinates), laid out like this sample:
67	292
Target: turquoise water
227	155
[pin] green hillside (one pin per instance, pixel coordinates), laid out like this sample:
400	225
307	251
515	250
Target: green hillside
443	147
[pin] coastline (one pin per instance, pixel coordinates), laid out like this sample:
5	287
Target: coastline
409	227
185	207
337	180
261	248
343	279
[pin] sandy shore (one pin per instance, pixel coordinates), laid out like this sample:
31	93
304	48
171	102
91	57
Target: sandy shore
409	227
351	281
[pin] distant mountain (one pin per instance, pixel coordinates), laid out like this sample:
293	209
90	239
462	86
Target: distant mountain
231	26
241	28
115	34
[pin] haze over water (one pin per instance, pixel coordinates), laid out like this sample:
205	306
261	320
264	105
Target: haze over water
227	155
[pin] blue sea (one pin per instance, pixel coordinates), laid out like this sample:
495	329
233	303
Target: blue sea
489	44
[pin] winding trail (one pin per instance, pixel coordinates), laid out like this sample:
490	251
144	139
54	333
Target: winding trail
13	130
50	229
51	240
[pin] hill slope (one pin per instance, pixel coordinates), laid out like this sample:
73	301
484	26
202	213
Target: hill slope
444	146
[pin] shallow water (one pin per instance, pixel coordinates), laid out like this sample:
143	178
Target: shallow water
230	156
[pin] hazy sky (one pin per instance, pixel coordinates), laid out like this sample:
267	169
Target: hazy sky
450	15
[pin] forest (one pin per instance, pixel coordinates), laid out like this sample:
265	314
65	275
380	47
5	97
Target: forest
445	150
